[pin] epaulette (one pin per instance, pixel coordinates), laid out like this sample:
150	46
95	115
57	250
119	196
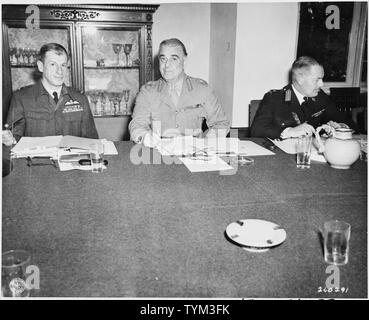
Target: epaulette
149	84
203	82
287	94
25	87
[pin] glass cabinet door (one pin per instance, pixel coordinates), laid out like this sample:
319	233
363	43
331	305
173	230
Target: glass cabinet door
111	68
23	47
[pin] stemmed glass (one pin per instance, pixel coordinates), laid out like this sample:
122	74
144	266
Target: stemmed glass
126	99
127	50
33	56
94	99
18	54
27	53
118	97
22	55
12	52
103	101
117	48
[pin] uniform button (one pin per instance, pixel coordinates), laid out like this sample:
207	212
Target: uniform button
176	111
177	126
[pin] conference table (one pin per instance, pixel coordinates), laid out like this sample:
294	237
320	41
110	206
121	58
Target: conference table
158	230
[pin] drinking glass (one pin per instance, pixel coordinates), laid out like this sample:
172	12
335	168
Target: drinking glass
96	153
103	101
303	149
126	94
13	273
94	99
27	54
127	50
117	48
336	242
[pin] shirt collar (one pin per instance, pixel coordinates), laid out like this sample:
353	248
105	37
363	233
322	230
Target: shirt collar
300	97
50	90
177	86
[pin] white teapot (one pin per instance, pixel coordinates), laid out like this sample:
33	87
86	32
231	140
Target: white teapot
340	150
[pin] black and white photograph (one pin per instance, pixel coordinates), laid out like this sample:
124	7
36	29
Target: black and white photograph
184	150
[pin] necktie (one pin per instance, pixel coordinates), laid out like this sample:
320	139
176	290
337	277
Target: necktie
304	106
55	97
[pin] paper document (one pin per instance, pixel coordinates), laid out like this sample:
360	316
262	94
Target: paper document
50	146
185	145
250	148
36	146
78	142
289	146
212	163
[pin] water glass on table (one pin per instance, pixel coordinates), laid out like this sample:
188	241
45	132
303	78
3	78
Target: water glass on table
336	242
13	273
96	156
303	148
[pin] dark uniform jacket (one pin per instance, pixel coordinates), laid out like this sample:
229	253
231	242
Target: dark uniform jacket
280	109
34	113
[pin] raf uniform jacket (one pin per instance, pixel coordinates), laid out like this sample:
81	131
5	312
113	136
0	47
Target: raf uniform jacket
34	113
196	103
280	109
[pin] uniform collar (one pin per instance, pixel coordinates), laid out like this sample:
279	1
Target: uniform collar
50	90
300	97
41	90
179	85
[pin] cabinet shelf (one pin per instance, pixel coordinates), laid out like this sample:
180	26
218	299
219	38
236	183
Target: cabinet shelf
111	67
22	66
113	116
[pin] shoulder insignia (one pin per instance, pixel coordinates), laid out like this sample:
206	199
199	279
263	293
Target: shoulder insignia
198	80
287	95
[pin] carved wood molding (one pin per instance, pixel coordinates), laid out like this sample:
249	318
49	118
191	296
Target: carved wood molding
74	14
127	7
149	64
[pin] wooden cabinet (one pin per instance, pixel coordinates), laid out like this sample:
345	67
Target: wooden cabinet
110	50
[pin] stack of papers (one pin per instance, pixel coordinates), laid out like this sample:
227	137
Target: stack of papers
204	154
289	146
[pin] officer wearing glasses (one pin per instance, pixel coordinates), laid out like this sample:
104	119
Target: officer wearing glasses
176	104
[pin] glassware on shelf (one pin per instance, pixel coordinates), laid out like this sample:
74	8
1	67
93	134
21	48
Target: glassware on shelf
117	48
112	100
126	99
12	55
22	55
103	102
118	97
127	50
18	54
33	56
94	96
27	56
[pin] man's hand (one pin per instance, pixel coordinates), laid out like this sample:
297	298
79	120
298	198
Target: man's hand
337	125
8	138
300	130
151	140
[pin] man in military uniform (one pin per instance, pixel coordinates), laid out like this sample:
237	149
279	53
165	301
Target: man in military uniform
299	107
48	107
176	104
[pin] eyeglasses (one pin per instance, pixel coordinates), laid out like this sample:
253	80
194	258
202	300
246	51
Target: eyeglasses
41	161
171	60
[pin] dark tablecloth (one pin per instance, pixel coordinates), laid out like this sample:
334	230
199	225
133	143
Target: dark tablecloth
158	230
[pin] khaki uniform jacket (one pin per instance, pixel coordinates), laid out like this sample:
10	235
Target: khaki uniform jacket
196	103
34	113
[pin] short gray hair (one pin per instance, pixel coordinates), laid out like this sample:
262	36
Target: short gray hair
303	62
174	42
